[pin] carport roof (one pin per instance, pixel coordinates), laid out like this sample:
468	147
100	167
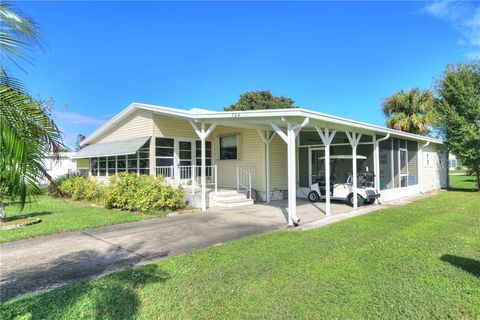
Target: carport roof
257	118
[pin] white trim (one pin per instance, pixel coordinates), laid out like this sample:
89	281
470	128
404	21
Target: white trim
267	139
400	174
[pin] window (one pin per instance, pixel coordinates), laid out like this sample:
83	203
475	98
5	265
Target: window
94	166
108	166
121	164
228	148
403	156
427	159
144	159
111	166
102	164
164	155
208	157
132	163
453	163
208	152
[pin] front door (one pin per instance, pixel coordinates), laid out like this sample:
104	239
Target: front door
185	161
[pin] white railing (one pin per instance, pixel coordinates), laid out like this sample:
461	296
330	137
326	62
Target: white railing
165	171
189	175
244	180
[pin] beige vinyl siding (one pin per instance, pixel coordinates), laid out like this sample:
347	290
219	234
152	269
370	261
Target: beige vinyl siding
137	125
278	164
434	175
83	163
171	127
413	159
250	153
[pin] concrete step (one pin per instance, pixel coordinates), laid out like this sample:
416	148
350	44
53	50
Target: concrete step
233	203
222	197
229	192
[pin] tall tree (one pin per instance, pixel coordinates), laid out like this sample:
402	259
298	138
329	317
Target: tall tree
260	100
410	111
27	133
458	110
80	138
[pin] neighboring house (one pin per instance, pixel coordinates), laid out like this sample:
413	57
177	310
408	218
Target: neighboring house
452	162
63	165
271	154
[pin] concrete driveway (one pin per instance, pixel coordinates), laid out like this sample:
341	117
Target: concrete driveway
44	263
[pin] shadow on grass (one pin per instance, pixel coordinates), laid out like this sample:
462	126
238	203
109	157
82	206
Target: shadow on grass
110	298
28	215
462	189
466	264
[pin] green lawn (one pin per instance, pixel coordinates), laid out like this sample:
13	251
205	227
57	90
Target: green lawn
61	215
468	183
417	261
457	171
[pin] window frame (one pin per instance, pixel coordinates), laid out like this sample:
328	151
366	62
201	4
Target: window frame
220	147
124	157
400	174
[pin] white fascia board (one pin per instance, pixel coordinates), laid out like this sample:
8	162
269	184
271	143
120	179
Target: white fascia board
266	116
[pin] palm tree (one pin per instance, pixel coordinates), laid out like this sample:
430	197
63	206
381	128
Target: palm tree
27	133
409	111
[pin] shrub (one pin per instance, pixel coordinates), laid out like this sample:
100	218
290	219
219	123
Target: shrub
80	188
143	193
54	186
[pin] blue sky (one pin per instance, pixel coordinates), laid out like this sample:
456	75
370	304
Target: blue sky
340	58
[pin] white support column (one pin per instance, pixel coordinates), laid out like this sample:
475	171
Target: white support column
289	138
267	139
354	141
292	205
202	170
203	134
327	139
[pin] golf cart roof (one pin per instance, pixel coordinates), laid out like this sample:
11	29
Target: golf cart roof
346	156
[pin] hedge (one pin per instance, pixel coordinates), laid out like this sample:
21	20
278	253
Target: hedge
124	191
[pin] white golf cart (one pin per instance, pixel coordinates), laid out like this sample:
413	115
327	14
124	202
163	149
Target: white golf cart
366	193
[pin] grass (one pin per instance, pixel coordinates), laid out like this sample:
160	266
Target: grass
456	171
466	183
421	260
62	215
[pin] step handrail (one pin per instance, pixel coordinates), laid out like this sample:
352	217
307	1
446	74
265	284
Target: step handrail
244	180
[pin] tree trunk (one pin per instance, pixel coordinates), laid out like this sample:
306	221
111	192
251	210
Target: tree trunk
478	180
3	213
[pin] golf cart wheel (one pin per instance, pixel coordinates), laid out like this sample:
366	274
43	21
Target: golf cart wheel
313	196
360	200
371	201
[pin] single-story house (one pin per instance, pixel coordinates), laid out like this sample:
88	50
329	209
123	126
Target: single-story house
266	154
58	166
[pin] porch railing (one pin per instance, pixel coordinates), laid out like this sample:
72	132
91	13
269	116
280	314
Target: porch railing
189	175
244	180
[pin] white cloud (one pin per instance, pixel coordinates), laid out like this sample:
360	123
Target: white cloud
76	118
463	16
